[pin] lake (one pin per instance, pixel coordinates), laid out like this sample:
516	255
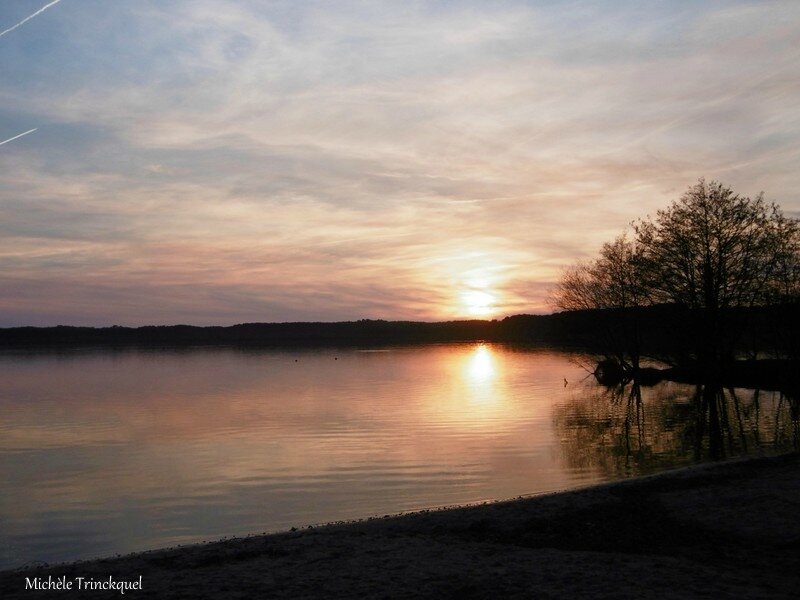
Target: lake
111	452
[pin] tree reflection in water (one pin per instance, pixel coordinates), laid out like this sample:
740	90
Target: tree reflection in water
630	429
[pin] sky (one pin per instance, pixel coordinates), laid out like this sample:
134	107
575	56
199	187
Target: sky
227	161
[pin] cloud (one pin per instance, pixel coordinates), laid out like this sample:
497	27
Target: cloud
294	161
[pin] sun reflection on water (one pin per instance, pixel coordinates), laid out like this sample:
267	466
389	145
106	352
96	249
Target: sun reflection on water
481	365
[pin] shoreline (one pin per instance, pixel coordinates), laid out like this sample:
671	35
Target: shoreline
724	529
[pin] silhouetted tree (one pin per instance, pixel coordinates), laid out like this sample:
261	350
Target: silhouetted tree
611	281
781	329
713	250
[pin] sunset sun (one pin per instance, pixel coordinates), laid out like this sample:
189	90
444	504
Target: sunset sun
478	303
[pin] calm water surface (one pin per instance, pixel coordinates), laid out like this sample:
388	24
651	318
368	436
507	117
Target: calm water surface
104	453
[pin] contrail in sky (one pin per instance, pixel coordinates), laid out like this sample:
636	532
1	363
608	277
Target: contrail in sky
19	136
26	19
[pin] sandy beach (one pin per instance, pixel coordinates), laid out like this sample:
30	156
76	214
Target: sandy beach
727	530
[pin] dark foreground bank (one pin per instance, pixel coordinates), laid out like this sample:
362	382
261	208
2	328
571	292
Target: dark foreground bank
729	530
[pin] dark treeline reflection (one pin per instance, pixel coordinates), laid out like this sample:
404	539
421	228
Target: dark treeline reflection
630	429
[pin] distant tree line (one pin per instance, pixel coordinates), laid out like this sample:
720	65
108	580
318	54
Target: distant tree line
346	333
664	330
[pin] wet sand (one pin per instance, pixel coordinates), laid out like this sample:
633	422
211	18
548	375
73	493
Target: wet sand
728	530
